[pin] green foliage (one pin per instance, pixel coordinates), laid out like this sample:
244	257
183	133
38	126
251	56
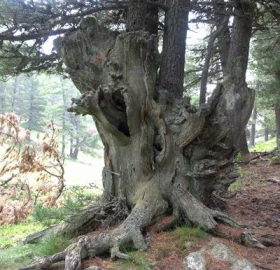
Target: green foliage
239	157
12	253
40	99
50	245
186	234
24	96
74	201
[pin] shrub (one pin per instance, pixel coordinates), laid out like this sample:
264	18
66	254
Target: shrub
30	172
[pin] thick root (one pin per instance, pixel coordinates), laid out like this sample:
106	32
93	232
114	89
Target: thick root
46	262
226	219
100	213
127	235
198	214
192	210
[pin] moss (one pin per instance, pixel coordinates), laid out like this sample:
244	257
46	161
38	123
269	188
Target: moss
187	234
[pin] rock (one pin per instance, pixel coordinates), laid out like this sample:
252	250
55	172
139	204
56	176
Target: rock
194	261
218	252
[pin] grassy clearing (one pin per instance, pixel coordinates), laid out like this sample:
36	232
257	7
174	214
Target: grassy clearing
11	235
264	146
87	170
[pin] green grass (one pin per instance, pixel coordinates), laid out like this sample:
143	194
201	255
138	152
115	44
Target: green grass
139	261
13	254
10	235
187	234
50	245
19	255
84	171
264	146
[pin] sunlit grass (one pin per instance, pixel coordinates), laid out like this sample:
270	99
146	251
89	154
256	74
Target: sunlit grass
263	146
10	235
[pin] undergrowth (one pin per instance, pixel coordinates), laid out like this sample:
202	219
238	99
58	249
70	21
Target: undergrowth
73	201
14	254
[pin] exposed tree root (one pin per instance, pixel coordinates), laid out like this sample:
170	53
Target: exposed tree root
99	213
46	262
129	234
170	225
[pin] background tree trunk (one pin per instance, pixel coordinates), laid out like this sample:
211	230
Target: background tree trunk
253	127
277	120
243	144
172	64
266	134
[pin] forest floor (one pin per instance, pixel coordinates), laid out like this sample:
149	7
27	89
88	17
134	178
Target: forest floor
256	204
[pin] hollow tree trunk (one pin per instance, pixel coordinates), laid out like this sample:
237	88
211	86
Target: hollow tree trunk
160	154
154	144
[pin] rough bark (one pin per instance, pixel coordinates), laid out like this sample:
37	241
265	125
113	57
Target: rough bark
160	153
277	111
221	17
172	64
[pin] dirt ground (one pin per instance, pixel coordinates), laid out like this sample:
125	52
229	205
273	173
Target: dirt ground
256	204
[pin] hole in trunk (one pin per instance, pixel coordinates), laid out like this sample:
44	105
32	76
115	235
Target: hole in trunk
114	109
158	144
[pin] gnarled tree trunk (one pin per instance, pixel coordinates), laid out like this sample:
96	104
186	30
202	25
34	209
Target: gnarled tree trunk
160	153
